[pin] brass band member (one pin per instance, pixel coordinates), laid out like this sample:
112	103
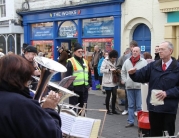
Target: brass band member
29	53
21	116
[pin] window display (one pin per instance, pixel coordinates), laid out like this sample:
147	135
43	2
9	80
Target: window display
68	29
44	46
105	44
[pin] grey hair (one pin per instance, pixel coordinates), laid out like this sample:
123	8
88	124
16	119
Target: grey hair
127	49
170	45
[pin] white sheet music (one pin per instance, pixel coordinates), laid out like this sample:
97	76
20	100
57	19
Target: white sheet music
82	127
67	122
76	126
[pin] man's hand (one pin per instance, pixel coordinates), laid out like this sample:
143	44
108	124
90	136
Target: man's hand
132	71
161	95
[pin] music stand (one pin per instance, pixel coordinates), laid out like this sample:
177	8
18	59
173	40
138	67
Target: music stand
66	82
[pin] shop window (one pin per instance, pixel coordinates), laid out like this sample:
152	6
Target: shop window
68	29
18	43
42	30
105	44
11	43
2	44
44	46
98	27
2	8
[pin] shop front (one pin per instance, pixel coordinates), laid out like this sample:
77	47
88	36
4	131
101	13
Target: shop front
89	24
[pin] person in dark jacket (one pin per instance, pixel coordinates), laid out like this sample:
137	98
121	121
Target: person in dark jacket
162	75
62	58
21	116
29	53
78	66
157	57
97	55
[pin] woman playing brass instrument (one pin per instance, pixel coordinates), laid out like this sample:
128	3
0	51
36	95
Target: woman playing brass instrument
21	116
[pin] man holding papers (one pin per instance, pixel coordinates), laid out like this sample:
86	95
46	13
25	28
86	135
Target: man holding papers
163	78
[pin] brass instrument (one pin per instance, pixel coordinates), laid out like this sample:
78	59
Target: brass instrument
49	68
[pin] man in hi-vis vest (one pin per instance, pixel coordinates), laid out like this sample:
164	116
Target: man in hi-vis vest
78	66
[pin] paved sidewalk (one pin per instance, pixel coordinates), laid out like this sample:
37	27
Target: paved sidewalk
114	126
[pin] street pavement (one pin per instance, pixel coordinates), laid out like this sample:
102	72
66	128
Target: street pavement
114	125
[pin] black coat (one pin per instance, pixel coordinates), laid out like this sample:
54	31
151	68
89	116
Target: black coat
167	81
22	117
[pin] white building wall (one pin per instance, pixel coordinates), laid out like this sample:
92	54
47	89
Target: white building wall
44	4
135	12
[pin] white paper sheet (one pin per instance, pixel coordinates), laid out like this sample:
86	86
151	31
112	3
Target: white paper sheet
154	101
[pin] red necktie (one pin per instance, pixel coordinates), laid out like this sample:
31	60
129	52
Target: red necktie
164	67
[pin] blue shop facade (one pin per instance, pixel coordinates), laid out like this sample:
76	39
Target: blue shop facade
88	24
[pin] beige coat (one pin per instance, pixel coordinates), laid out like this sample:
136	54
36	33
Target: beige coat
107	75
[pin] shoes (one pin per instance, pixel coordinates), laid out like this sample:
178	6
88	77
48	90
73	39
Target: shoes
129	125
135	113
114	112
125	112
109	113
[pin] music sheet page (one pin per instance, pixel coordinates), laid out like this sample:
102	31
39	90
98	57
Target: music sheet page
82	127
67	122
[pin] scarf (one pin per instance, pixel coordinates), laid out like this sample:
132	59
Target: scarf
134	60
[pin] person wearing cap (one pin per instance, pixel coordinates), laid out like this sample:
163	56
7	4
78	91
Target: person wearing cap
23	47
62	58
29	53
78	66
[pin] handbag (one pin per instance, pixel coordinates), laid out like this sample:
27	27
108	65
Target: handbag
115	76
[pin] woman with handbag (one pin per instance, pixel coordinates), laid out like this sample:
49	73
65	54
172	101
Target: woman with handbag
110	81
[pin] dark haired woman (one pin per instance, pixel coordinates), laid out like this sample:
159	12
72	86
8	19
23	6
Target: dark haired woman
21	116
108	67
148	57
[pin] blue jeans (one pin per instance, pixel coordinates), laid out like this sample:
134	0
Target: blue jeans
134	103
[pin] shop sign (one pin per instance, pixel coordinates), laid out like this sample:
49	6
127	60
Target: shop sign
68	31
99	28
4	23
65	13
42	32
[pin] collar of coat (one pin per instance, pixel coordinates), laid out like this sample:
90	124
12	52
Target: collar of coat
172	66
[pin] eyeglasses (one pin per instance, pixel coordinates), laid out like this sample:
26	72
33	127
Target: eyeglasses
80	51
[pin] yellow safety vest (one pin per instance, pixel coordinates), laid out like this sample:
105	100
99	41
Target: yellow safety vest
81	75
